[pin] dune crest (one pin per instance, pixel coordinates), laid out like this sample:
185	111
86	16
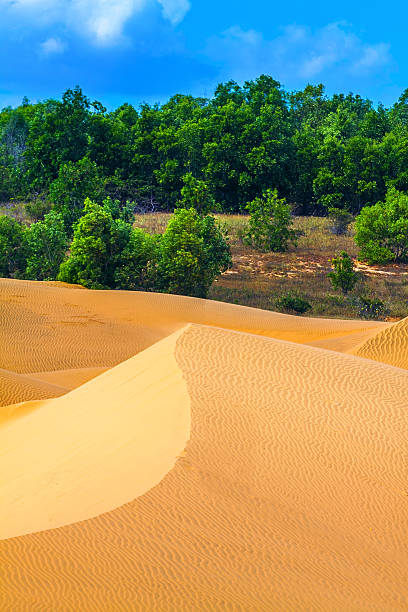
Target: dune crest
388	346
97	447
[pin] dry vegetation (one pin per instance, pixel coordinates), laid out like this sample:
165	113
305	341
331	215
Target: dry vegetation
258	279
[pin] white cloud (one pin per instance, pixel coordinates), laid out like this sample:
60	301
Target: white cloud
102	21
298	53
174	10
52	46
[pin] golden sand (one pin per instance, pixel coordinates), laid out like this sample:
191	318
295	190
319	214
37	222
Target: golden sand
236	464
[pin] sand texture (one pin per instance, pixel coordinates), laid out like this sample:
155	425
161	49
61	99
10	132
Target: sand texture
235	464
390	346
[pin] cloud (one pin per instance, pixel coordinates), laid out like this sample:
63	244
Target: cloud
298	53
175	10
52	46
102	21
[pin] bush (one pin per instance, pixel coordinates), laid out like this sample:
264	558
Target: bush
371	308
343	276
341	219
46	244
193	251
293	303
75	182
382	229
196	194
12	251
136	264
270	223
96	248
37	208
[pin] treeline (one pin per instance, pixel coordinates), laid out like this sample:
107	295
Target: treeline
318	151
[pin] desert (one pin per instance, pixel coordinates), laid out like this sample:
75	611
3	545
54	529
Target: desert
163	452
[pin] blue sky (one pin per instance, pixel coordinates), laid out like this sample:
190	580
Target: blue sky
147	50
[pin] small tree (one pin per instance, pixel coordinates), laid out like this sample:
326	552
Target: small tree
341	219
46	244
343	276
382	229
270	223
96	248
136	264
193	252
196	194
75	182
12	251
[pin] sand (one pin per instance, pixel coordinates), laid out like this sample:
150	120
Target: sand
236	464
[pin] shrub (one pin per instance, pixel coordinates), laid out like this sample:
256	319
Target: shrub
96	248
136	264
193	251
38	208
12	251
196	194
270	223
371	308
382	229
341	219
46	243
75	182
343	276
293	303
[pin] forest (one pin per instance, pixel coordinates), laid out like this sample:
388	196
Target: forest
317	151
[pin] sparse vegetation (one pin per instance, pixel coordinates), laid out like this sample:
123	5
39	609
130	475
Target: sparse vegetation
293	303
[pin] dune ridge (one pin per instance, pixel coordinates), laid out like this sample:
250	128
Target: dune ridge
97	447
388	346
235	459
291	494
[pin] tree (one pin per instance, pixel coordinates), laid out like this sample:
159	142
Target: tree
382	229
96	248
193	251
46	244
196	194
343	276
12	252
76	181
136	265
341	219
270	223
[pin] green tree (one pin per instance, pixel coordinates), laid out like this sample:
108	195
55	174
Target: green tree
76	181
343	276
270	223
196	194
96	249
12	251
382	229
193	251
136	267
46	244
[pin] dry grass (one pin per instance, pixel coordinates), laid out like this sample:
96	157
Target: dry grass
259	279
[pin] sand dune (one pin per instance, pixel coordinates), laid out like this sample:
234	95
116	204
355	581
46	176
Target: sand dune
389	345
227	467
19	388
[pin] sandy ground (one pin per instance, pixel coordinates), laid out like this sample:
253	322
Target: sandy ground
247	460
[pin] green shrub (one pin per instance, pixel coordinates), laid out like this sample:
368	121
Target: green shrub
137	262
341	219
96	248
38	208
196	194
46	244
292	302
382	229
12	251
193	251
270	223
75	182
343	276
371	308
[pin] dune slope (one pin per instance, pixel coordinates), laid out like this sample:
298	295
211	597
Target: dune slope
291	493
389	345
97	447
